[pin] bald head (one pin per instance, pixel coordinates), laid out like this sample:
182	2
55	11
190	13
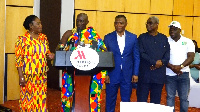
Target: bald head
83	15
82	21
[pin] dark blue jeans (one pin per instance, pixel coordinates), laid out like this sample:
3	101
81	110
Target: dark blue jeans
180	83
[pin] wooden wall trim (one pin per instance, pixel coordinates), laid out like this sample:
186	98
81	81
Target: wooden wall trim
2	51
134	13
18	6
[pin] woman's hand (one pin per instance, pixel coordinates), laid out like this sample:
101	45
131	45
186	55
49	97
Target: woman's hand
22	81
51	56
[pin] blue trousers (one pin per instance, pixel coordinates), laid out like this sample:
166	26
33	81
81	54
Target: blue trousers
112	90
143	90
180	83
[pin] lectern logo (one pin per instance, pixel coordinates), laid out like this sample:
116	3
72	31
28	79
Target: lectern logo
84	58
81	55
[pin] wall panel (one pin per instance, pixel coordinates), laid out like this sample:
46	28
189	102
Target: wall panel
105	25
196	33
14	25
136	23
98	22
13	88
164	22
111	5
183	7
83	4
161	7
196	8
138	6
20	2
165	10
16	12
91	17
2	36
186	25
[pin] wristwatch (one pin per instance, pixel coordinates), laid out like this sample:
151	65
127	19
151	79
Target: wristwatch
182	66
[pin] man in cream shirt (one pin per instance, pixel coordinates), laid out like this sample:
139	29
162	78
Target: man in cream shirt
181	55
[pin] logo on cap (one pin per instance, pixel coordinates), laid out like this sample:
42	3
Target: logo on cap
174	22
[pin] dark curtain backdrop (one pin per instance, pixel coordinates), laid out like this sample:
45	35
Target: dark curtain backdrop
50	15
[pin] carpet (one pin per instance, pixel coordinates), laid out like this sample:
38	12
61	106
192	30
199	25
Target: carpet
54	104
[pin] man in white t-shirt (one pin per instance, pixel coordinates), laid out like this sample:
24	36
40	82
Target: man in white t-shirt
182	52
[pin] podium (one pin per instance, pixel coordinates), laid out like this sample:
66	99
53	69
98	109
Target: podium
83	78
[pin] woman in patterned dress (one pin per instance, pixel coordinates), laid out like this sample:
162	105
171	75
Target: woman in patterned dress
31	54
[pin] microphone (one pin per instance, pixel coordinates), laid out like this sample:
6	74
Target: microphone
94	45
61	46
79	38
101	47
79	34
71	44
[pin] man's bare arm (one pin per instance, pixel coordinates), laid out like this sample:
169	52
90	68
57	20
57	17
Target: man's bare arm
65	36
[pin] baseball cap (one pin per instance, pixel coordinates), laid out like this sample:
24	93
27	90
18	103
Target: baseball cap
175	24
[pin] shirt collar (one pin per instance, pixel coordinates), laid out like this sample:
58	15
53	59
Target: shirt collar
122	35
178	40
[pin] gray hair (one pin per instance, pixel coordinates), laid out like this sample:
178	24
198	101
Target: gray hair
154	18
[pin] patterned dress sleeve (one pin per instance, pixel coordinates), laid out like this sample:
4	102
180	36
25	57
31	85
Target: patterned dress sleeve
19	52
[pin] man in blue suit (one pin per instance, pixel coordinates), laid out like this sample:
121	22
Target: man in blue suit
124	46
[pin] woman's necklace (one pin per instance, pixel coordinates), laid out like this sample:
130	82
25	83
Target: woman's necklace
33	35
